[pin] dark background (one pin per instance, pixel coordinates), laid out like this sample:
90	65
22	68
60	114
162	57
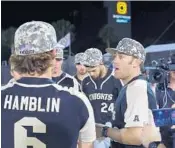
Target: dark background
149	19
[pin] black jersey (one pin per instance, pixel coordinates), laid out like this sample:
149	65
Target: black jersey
102	94
36	112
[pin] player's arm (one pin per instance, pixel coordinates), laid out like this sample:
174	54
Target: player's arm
151	137
87	134
136	114
85	145
128	136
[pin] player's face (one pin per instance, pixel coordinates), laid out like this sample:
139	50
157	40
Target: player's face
94	72
81	69
123	65
58	65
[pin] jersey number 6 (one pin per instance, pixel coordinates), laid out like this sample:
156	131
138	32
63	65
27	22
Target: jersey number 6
20	133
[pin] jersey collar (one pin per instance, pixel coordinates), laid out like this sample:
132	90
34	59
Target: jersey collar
35	81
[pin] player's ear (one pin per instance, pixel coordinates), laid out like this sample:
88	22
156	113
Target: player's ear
136	62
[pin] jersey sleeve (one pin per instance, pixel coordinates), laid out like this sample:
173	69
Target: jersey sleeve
137	112
88	132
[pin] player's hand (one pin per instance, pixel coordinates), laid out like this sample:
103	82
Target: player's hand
149	134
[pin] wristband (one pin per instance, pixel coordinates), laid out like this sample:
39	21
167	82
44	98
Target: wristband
104	131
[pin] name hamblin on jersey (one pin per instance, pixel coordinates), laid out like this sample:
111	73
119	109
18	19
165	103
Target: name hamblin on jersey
31	104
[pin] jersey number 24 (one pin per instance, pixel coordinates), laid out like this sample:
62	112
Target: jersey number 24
105	107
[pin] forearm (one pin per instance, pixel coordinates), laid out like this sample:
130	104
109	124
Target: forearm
130	136
114	134
85	145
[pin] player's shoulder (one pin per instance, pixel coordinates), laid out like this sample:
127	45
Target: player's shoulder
72	78
72	93
138	83
68	75
86	79
9	85
68	90
138	87
8	89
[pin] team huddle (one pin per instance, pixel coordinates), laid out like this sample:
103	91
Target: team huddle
44	107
